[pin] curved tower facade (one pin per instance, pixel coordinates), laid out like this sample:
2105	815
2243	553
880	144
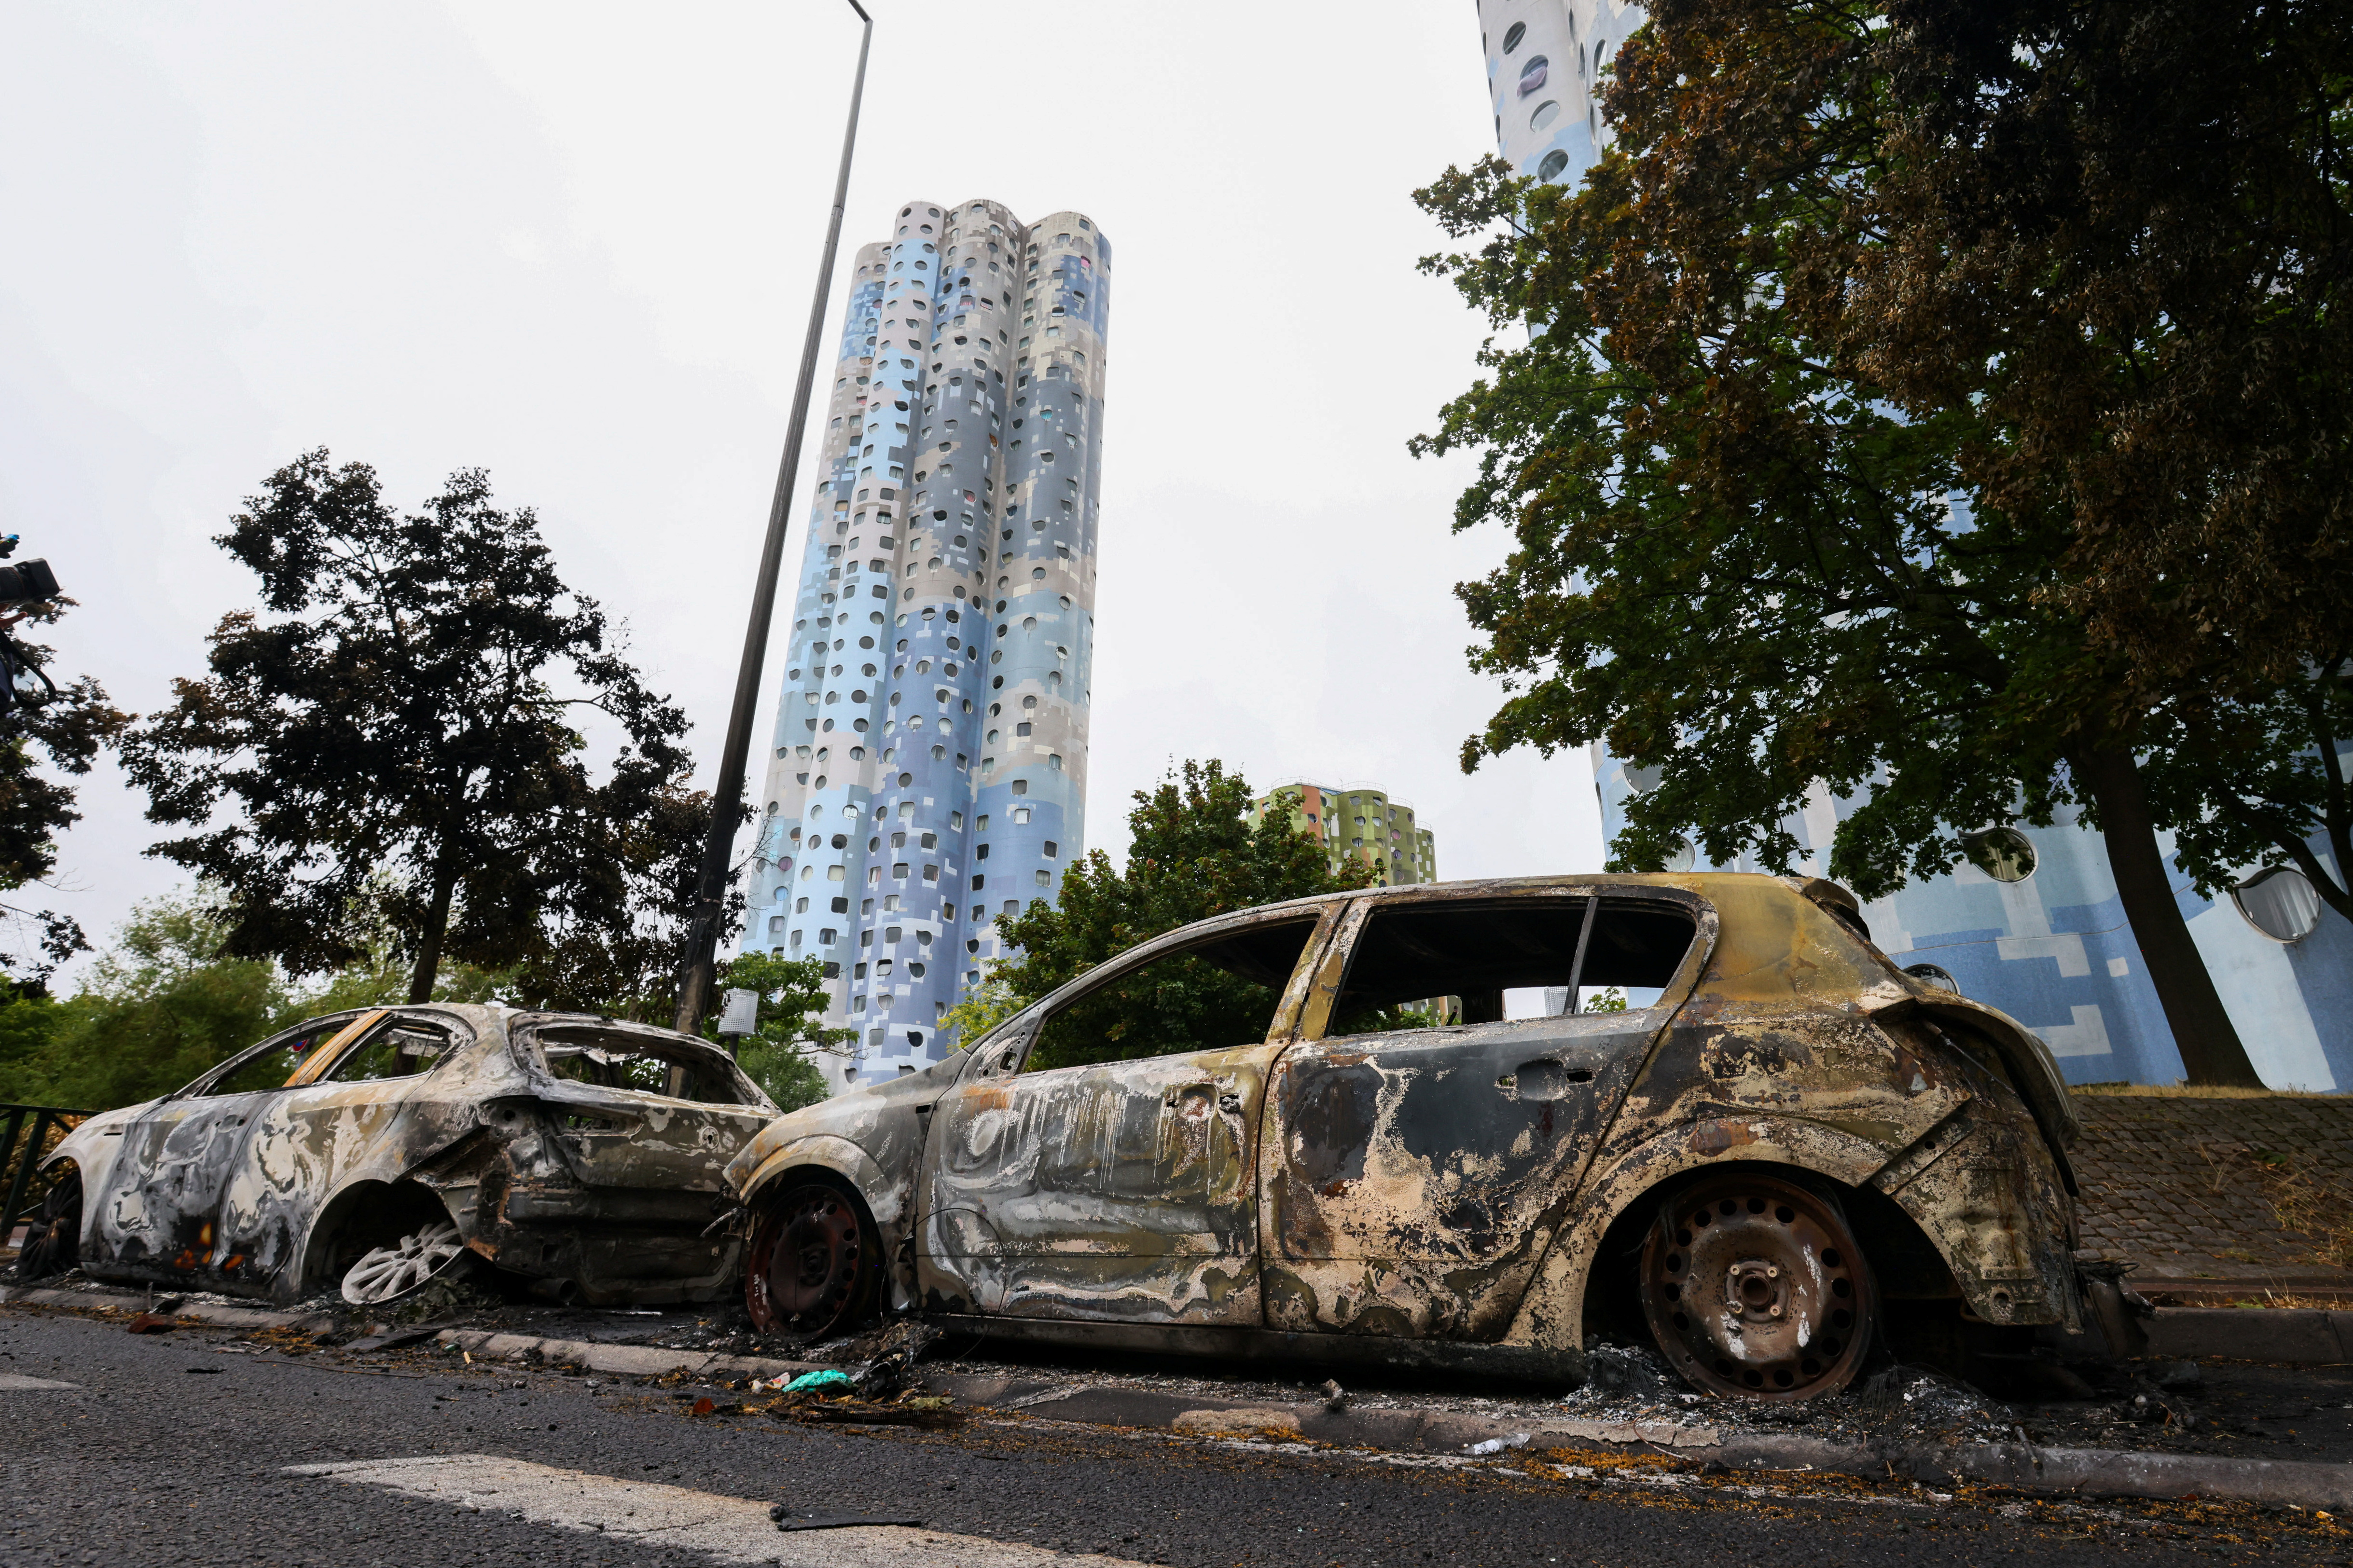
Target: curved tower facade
1543	58
929	768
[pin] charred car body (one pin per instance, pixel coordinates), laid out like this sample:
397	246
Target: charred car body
1242	1139
374	1150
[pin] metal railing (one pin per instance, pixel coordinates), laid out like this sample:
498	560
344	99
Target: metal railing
20	1153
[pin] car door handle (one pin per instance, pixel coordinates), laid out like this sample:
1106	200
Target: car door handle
1231	1104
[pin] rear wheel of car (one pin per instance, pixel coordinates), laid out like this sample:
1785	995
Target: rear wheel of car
1754	1286
408	1264
53	1238
815	1267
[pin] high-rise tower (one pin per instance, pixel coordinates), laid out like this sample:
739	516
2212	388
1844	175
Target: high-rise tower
1542	57
929	770
2032	923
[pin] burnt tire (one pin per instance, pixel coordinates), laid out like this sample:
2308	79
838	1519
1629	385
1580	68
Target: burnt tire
814	1265
53	1237
1754	1286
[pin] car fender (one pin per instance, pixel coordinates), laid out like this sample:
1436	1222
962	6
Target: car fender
93	1148
885	1199
1964	1184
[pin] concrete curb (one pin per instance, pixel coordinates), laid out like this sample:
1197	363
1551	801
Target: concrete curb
2308	1336
2296	1336
193	1312
2083	1472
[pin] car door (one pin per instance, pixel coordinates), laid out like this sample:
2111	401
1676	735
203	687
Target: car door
160	1209
1420	1155
646	1121
302	1140
1097	1161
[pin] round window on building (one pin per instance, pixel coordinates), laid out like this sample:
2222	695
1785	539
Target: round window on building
2002	853
1512	40
1554	163
1684	858
2280	903
1934	974
1547	113
1533	74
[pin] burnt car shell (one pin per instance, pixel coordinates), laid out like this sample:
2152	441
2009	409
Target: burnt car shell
1457	1195
592	1192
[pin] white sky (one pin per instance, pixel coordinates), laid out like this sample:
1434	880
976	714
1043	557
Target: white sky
573	244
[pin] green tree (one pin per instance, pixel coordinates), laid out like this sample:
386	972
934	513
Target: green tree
1737	560
2119	228
981	1008
1193	852
408	751
154	1012
60	734
791	1024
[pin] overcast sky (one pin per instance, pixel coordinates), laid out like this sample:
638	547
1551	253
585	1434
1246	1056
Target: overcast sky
573	244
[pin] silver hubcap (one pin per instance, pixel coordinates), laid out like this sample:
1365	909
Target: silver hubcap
386	1273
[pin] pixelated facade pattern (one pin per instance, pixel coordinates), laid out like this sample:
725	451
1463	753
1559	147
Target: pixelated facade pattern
1361	822
929	768
2052	949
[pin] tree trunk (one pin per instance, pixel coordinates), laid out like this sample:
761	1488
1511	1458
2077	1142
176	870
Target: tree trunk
437	925
2203	1031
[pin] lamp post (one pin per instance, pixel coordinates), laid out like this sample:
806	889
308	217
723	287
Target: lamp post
709	908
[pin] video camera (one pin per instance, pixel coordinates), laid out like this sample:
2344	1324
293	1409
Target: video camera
23	682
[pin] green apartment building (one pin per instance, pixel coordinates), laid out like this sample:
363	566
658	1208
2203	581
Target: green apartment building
1358	822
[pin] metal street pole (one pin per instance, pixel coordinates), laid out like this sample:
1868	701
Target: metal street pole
726	796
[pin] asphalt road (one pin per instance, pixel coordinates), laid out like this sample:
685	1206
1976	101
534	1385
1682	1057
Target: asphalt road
169	1449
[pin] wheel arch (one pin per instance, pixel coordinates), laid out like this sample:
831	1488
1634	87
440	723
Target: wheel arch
350	1220
1612	1213
836	1156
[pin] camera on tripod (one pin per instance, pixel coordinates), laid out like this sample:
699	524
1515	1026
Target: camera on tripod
23	682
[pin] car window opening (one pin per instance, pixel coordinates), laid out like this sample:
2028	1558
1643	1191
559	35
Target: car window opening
1422	966
1215	997
612	1060
271	1063
399	1047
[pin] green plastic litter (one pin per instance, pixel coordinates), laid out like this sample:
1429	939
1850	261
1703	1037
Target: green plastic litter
807	1381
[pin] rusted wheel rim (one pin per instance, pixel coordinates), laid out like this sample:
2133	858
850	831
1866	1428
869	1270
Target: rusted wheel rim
806	1254
1755	1287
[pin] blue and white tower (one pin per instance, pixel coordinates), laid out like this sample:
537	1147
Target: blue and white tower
929	773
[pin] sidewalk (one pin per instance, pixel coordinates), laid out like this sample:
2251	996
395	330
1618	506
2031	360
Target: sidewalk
2189	1188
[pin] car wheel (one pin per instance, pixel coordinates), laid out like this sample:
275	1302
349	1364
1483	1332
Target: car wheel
386	1273
1754	1286
815	1267
53	1238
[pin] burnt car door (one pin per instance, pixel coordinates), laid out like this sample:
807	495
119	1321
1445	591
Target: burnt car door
645	1121
302	1142
1099	1161
159	1212
1420	1153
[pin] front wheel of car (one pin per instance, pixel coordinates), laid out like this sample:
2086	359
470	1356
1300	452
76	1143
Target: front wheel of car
53	1239
1754	1286
814	1265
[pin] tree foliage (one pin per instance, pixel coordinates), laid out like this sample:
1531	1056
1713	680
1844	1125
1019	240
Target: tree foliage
38	742
1746	557
395	739
1192	853
790	1025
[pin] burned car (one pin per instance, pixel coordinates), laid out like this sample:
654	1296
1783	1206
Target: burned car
1376	1127
374	1151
